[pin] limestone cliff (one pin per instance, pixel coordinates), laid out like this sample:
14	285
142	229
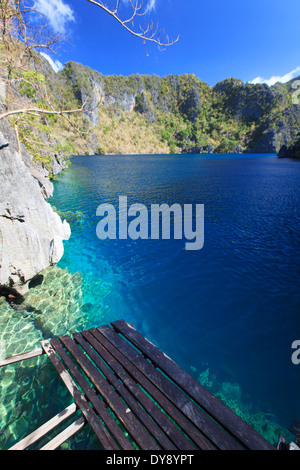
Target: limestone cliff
292	151
182	112
31	234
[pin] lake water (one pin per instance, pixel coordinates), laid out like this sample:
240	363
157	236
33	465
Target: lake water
227	313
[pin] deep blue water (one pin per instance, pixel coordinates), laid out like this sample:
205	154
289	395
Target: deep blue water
232	307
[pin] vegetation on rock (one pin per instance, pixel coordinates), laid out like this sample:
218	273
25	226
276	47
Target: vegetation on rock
148	114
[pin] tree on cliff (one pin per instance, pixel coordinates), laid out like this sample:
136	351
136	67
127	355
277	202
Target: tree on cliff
25	31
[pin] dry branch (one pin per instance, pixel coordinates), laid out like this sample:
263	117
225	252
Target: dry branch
148	33
37	111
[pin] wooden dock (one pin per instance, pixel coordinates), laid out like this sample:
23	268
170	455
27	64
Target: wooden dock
134	397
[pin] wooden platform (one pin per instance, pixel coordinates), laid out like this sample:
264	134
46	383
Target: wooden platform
135	397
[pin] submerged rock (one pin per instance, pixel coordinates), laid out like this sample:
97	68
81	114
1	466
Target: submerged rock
52	307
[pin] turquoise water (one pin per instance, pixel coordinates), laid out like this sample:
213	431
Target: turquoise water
227	313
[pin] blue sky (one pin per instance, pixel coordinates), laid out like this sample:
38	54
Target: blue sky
251	40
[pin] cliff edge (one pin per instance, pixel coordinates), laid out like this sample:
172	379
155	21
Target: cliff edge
31	233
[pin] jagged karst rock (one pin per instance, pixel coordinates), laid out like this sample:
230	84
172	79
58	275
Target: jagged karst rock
31	234
143	106
292	151
266	141
191	104
245	101
232	116
59	164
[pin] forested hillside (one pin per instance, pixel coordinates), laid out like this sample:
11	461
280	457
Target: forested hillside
151	114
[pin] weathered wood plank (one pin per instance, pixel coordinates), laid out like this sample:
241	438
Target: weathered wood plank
202	426
189	429
62	437
21	357
91	395
218	410
118	368
98	428
140	397
45	428
125	415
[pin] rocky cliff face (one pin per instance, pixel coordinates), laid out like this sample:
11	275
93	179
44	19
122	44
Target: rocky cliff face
276	119
245	101
148	113
31	234
292	151
231	116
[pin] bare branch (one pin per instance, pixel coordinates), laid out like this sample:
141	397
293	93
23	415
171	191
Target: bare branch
21	37
147	33
38	111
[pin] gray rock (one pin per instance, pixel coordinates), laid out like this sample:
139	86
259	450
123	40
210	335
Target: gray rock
293	151
238	149
143	106
59	164
192	104
246	101
31	233
266	143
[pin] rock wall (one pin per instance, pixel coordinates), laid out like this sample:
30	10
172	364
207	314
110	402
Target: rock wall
31	233
232	116
292	151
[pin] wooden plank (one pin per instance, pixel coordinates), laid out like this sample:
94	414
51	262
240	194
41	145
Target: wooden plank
45	428
218	410
114	346
132	401
190	430
140	397
98	428
168	395
65	434
91	395
21	357
125	415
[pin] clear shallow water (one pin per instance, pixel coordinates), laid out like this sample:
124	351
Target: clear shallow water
228	313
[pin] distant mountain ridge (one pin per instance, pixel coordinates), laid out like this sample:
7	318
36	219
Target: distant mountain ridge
232	116
171	114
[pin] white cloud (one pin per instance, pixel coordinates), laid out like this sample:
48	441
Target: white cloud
55	64
58	13
151	4
277	78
